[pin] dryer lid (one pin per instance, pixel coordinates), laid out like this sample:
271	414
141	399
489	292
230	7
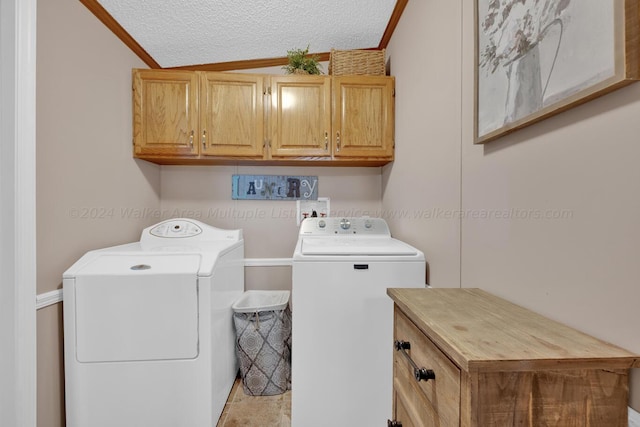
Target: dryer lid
345	246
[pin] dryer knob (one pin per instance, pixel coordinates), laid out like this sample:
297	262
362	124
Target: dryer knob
345	224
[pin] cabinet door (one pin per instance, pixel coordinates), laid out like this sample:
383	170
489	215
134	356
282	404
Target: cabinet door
300	116
363	116
165	115
231	115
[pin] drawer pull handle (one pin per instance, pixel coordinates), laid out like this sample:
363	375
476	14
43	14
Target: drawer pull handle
394	423
420	374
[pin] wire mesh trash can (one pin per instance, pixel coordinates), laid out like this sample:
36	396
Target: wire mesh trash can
262	320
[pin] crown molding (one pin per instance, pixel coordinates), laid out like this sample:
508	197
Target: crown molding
108	20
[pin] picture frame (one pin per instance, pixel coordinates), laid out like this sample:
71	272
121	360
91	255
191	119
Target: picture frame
537	58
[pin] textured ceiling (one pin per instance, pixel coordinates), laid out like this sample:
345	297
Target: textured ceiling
189	32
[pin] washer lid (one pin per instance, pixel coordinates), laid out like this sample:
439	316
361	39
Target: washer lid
346	246
141	264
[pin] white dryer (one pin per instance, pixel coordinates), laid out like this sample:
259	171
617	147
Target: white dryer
342	320
148	333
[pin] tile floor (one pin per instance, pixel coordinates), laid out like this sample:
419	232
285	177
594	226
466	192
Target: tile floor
255	411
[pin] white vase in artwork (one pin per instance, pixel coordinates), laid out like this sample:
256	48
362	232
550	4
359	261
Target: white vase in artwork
524	93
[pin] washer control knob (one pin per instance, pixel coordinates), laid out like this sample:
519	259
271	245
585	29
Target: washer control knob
322	223
345	224
368	224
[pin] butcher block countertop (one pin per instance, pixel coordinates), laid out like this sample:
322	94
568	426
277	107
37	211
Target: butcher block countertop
481	332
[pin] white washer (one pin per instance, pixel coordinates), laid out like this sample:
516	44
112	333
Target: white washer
148	333
342	338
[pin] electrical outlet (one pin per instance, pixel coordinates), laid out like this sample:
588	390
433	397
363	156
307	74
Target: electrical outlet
306	208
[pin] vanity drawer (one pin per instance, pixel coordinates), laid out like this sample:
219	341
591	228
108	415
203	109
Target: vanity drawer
432	402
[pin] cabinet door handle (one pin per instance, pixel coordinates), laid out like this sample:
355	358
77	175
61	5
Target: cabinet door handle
191	138
419	374
204	139
337	141
326	141
394	423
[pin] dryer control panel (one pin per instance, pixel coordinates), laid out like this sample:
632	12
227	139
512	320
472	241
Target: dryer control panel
176	228
347	226
188	230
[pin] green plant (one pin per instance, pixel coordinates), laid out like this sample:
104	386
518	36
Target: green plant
300	62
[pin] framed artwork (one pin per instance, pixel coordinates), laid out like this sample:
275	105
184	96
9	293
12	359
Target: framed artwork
536	58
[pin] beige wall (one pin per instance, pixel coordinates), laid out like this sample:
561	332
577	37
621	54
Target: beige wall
580	269
269	227
86	176
421	188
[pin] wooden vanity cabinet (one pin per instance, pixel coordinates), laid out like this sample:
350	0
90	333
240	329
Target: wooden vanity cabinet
497	364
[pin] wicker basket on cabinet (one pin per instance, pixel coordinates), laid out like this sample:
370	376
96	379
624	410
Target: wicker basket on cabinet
357	62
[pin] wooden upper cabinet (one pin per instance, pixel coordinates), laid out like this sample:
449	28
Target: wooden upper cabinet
165	113
232	114
300	116
197	117
363	116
